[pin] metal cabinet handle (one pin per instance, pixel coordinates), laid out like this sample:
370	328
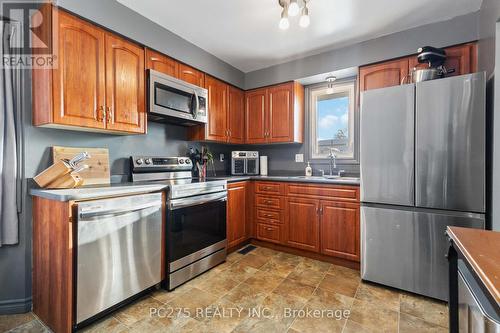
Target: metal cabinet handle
108	114
101	114
269	229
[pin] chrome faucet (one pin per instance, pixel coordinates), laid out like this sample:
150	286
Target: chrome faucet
333	159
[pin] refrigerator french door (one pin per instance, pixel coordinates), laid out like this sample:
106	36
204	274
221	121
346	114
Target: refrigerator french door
422	168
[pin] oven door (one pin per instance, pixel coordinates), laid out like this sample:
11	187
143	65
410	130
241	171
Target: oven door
196	228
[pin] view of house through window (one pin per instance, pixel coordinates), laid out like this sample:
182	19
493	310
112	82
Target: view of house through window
332	121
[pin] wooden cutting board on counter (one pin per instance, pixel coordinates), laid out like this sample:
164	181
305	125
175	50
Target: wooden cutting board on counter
98	171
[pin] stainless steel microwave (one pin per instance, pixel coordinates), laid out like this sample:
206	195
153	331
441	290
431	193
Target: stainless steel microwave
173	100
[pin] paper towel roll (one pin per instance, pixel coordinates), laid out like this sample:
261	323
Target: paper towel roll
263	165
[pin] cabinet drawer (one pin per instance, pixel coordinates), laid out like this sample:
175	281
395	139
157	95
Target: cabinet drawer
269	188
332	192
268	201
268	232
269	216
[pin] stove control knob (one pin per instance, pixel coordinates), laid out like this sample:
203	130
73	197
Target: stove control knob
148	161
188	161
181	161
138	161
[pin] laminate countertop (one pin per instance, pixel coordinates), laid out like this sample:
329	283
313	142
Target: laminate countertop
129	188
354	181
481	248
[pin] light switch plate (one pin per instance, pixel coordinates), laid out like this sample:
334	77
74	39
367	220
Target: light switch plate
299	158
221	157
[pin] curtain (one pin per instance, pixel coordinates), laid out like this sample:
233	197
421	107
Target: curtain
9	175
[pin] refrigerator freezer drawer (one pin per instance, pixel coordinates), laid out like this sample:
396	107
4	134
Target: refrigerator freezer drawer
450	143
405	247
387	145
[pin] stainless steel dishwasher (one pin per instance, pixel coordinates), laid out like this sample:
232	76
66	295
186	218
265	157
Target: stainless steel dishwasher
118	245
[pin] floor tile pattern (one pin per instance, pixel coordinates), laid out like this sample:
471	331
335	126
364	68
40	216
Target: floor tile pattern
268	291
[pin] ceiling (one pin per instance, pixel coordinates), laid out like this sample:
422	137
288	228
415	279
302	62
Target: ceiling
245	33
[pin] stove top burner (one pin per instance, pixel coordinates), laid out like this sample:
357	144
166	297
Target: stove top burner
174	172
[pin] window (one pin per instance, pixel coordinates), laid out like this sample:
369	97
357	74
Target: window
332	121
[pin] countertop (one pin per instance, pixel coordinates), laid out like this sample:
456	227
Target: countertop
97	191
296	179
481	248
129	188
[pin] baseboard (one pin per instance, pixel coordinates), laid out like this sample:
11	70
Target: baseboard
13	306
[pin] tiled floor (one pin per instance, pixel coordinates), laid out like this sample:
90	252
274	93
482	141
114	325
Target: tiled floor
285	293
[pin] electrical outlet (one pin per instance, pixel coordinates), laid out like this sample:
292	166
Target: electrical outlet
221	157
299	158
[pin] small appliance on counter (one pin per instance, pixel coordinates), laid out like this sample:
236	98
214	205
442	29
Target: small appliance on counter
244	163
263	165
195	216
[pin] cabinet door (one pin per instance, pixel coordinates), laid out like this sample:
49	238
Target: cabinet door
383	75
191	75
302	223
236	115
236	214
79	80
217	109
161	63
124	86
255	116
340	230
281	120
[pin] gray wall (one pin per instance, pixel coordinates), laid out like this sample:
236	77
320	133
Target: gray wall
455	31
489	61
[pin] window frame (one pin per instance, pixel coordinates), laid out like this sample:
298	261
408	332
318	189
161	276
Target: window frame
348	85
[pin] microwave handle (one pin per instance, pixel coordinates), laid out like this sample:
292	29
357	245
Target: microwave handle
197	105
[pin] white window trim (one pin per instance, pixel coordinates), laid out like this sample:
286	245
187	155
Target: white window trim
350	88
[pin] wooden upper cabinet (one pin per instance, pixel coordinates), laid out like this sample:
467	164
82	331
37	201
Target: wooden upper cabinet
125	101
78	82
98	84
217	109
236	115
256	116
461	58
191	75
236	213
161	63
382	75
339	229
275	114
302	224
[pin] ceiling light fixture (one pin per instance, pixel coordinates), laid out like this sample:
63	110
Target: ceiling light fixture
292	8
284	23
330	79
305	20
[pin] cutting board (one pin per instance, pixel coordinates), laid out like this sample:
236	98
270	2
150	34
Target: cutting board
98	171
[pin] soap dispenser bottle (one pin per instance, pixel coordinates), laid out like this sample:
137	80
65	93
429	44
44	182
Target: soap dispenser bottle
309	170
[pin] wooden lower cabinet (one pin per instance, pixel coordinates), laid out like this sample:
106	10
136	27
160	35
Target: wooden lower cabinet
236	213
302	223
319	218
339	229
269	232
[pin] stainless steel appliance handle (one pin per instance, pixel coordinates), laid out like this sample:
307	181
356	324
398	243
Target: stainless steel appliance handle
196	108
197	200
108	212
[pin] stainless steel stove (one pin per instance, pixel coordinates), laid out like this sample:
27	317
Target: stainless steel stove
195	216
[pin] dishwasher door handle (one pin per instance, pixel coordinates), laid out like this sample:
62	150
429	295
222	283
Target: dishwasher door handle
90	213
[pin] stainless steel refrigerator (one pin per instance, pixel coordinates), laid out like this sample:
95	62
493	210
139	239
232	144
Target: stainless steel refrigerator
422	168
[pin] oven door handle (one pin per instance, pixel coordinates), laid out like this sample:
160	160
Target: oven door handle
197	200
